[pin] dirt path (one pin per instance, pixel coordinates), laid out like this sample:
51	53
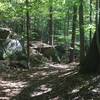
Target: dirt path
50	82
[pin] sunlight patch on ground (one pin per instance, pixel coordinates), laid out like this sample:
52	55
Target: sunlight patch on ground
43	73
42	89
11	88
75	90
78	98
96	90
4	98
59	66
56	98
63	66
96	78
67	74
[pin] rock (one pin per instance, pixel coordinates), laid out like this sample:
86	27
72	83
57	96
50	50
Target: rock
46	50
4	32
36	58
13	49
18	57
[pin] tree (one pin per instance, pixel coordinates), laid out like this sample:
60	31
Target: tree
27	31
81	25
90	20
66	20
50	22
91	63
71	59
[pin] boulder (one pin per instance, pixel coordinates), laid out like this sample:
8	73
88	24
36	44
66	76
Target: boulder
4	32
13	49
36	58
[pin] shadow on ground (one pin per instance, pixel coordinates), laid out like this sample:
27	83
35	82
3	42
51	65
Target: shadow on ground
49	83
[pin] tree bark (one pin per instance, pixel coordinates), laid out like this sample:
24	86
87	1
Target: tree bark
91	61
50	22
81	25
90	35
71	58
27	30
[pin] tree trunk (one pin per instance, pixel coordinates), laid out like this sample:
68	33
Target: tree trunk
71	58
81	25
68	17
91	63
27	30
66	21
50	22
90	21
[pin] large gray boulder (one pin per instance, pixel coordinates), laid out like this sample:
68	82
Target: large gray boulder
15	53
13	49
4	32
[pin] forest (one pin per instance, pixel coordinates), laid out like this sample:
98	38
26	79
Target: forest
49	50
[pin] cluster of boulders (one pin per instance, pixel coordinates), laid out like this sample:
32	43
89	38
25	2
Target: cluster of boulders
14	49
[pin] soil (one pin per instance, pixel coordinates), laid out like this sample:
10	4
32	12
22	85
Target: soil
48	82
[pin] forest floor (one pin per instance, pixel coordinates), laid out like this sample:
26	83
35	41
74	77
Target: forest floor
49	82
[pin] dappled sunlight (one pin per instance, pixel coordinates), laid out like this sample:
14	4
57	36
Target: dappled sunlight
75	90
49	50
96	78
87	88
43	73
57	98
10	88
96	90
64	66
52	83
4	98
68	73
42	89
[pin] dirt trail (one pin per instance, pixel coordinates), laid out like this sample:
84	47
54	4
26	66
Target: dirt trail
49	82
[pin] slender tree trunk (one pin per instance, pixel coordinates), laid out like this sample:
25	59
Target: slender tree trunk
71	58
50	22
98	24
65	21
68	22
90	20
27	31
65	27
81	25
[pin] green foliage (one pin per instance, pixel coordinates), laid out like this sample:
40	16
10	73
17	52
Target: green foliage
14	13
60	39
7	11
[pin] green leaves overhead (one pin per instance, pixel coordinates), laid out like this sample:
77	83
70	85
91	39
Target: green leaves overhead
15	8
6	10
39	11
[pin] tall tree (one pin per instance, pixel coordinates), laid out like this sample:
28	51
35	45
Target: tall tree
73	34
50	22
66	20
27	31
81	25
90	21
91	63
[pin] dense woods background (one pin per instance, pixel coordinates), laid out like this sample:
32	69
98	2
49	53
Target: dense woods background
50	33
